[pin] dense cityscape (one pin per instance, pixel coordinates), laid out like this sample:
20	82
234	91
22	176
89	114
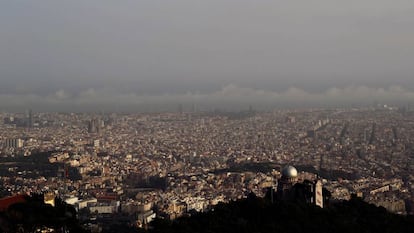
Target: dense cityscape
132	168
214	116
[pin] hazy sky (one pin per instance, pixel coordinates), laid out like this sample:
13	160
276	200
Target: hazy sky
81	53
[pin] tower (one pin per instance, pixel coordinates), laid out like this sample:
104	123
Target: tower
30	118
180	108
92	127
318	193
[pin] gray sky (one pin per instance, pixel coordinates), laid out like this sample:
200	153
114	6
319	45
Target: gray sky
85	54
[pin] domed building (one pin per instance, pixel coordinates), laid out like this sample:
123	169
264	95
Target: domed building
288	188
286	182
289	173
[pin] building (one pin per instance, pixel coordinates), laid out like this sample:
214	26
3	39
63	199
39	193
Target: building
286	182
143	219
13	143
288	189
318	193
30	119
49	198
95	125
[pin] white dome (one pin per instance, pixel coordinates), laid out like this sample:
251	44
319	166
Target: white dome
289	172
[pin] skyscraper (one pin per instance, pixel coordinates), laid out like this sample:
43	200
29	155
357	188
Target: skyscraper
13	143
30	119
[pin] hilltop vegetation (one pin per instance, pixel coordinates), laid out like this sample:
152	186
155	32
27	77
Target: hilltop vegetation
260	215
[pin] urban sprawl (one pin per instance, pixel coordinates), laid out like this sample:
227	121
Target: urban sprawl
138	166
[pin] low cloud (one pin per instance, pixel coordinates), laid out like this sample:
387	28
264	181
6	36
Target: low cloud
230	97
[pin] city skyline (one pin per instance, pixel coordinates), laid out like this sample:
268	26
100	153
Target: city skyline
146	165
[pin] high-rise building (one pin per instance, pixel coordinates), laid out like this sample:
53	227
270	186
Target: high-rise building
30	119
95	125
193	107
180	108
91	126
13	143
